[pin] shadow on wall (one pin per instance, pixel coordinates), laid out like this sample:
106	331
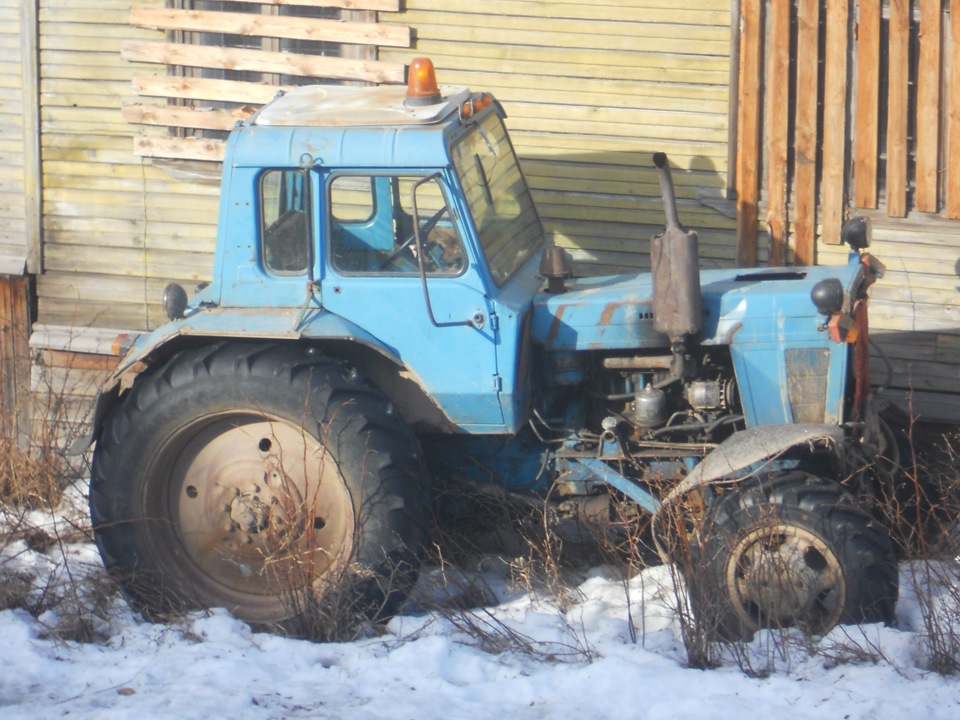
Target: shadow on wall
605	207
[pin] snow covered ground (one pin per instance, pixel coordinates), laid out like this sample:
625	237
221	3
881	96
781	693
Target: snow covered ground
580	663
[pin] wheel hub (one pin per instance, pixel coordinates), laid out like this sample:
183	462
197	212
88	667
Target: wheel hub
257	502
782	575
249	513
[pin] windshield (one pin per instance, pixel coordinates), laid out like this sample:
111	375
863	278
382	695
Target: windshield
503	212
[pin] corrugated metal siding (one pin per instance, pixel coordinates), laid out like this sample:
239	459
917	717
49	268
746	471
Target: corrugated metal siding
12	209
591	90
117	230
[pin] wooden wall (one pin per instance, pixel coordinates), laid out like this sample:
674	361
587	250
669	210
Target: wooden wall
19	211
592	89
847	108
13	226
116	228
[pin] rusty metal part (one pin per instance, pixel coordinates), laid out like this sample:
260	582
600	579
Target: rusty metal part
675	268
780	574
861	361
638	362
257	503
555	266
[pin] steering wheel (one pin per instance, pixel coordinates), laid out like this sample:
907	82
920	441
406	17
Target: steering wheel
424	230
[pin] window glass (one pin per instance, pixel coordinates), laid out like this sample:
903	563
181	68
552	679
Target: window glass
372	223
500	203
285	221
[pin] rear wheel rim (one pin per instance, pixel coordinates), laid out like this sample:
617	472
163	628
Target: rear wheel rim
258	506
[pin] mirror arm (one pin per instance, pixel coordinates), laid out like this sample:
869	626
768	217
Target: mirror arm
418	242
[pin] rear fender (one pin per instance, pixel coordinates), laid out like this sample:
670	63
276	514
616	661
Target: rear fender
218	324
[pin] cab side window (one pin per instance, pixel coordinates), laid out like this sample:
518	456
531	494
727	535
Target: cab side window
372	227
285	222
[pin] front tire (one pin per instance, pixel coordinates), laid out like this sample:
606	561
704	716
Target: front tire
790	550
255	477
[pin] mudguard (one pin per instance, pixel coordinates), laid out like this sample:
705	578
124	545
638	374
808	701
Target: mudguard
744	450
221	324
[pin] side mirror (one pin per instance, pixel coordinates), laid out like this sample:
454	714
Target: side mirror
174	301
856	233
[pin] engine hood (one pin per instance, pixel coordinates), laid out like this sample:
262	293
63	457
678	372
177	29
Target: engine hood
751	305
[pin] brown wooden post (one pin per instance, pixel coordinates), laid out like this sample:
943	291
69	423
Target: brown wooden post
953	122
805	135
748	137
868	104
832	190
898	76
928	106
776	126
14	356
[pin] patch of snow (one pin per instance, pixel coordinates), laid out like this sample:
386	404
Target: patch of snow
576	661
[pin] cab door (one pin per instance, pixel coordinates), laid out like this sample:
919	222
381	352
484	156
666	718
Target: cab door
446	332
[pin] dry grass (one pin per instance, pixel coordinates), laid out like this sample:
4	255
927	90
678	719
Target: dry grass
74	603
30	477
39	527
924	510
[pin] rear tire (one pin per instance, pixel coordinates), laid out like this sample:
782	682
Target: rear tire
256	478
790	550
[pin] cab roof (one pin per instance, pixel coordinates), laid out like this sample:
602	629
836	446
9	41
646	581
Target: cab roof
345	106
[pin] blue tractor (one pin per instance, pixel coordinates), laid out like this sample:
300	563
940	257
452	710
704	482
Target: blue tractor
384	310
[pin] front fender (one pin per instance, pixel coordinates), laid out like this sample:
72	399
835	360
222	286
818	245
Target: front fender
737	456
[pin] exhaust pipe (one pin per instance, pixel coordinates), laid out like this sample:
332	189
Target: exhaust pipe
675	266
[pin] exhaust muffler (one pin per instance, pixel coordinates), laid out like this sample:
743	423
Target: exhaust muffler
675	267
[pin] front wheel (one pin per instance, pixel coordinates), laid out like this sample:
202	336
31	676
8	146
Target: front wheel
790	550
258	478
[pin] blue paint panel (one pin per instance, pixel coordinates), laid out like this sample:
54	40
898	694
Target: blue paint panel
762	378
615	312
598	314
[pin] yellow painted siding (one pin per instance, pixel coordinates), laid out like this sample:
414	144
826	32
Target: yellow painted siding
12	207
116	228
591	90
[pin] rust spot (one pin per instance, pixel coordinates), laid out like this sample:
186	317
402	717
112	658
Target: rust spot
555	326
607	315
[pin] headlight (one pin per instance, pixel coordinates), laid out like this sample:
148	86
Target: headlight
827	295
174	301
856	233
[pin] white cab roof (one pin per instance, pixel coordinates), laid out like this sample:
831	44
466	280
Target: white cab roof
340	105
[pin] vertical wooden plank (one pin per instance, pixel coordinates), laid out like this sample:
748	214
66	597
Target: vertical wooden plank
805	133
928	106
832	195
776	126
7	380
748	137
14	356
952	204
868	98
32	180
898	76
